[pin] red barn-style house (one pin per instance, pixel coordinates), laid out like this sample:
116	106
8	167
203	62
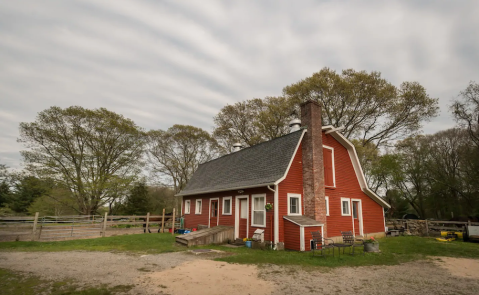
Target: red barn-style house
305	181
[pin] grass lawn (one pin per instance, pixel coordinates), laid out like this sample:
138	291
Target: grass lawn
139	243
393	250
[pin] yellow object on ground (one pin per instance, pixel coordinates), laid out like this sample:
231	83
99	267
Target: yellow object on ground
444	240
457	233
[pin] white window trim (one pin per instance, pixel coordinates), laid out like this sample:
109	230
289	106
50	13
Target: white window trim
262	209
332	164
231	206
327	205
349	206
189	206
198	212
289	204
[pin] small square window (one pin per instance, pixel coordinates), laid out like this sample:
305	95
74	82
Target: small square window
198	206
227	205
187	206
294	204
345	210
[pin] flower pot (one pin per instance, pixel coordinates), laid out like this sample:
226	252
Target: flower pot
248	243
371	247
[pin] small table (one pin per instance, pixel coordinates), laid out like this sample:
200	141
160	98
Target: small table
339	246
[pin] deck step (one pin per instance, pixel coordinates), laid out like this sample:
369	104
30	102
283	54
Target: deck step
216	235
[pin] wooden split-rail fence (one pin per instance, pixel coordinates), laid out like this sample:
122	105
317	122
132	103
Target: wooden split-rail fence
47	228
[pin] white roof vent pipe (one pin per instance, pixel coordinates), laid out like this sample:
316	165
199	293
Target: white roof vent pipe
237	147
294	125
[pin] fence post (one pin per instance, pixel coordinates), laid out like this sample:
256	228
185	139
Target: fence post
163	222
173	223
34	229
147	221
427	228
103	233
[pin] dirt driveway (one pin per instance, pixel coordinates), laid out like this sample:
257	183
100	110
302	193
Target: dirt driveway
185	273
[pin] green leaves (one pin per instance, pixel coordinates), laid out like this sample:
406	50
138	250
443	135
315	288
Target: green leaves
84	150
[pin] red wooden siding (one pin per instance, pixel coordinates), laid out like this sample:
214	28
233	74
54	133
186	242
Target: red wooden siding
293	183
328	167
192	220
347	186
291	235
308	237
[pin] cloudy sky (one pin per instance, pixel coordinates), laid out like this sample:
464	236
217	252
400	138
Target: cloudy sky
179	62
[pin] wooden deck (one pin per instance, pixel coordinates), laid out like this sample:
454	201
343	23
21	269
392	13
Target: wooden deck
215	235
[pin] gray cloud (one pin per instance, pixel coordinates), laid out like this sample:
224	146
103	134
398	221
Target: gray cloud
179	62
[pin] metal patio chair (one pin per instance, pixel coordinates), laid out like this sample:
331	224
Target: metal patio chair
351	241
319	243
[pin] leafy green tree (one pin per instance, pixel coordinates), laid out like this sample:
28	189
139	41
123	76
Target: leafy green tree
4	185
86	151
466	111
175	154
57	202
253	121
138	200
369	107
27	189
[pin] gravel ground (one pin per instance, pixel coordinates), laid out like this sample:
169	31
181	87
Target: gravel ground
160	274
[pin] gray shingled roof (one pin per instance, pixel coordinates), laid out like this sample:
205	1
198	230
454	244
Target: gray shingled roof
302	220
261	164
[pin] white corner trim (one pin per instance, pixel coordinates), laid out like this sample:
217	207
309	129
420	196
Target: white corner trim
223	206
301	237
356	165
198	212
291	195
349	206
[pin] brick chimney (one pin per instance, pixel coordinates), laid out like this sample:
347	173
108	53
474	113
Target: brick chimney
313	166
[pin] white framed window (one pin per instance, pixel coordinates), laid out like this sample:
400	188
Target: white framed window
187	206
259	212
326	200
328	161
294	204
345	207
198	206
227	201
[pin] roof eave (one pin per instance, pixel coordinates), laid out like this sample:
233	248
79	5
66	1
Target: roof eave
180	194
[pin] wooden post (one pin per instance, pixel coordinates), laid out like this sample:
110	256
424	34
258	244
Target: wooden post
163	222
427	228
104	225
34	229
173	223
147	221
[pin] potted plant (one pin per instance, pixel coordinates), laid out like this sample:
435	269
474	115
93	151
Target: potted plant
371	245
248	242
268	206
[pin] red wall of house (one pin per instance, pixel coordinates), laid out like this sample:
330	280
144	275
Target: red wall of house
347	186
192	220
291	235
308	237
293	183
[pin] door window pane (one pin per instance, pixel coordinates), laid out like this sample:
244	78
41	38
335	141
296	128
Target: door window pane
244	209
355	209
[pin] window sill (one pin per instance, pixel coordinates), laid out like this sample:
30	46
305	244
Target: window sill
255	225
226	214
197	213
330	187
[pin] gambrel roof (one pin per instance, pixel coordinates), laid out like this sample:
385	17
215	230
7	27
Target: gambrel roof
260	165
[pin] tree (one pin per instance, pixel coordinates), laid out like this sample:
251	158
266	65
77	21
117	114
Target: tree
138	201
176	153
369	107
86	151
4	185
466	111
26	189
58	201
253	121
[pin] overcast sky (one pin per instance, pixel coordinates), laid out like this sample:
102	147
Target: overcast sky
161	63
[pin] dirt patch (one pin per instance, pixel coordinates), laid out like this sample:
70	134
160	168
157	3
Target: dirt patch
461	267
206	277
184	273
